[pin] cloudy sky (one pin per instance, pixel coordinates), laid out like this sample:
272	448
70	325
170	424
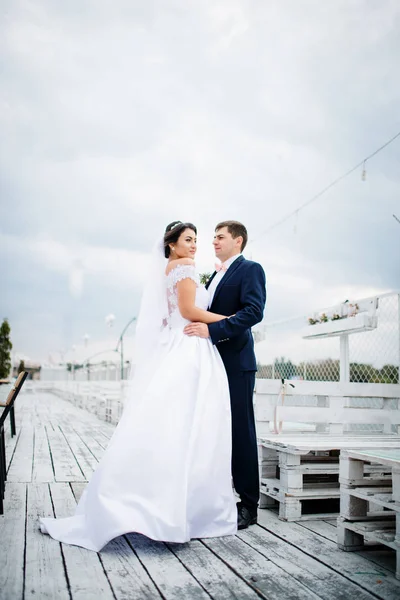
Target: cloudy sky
117	117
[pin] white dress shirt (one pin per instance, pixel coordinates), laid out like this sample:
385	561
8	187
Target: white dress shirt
214	284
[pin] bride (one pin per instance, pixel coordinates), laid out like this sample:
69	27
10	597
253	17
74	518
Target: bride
166	472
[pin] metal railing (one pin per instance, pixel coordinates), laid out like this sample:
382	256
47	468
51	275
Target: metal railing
373	355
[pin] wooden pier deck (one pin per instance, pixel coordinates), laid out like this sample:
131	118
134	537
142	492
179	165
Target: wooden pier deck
54	453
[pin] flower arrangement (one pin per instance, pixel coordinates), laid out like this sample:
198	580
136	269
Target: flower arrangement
348	309
204	277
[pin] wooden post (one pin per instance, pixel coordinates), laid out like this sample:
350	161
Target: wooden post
344	359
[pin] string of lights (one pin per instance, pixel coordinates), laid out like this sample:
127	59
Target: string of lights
295	212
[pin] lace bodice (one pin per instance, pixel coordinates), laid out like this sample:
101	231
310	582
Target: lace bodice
175	319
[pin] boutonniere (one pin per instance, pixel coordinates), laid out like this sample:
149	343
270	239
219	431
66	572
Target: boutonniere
204	277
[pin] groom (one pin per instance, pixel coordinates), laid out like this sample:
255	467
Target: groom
237	288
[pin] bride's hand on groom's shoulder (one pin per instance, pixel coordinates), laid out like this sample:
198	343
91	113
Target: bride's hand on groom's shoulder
198	329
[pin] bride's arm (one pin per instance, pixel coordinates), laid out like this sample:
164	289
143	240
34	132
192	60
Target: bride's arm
188	309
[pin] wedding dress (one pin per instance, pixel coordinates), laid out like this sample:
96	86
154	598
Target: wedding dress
166	472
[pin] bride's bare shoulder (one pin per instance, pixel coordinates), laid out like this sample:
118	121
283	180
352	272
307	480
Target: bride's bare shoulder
179	261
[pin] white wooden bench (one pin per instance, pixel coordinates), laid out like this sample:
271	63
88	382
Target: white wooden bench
369	510
102	398
297	467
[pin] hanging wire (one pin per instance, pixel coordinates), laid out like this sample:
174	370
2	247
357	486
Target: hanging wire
364	173
325	189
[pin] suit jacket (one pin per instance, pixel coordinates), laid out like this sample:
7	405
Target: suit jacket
241	292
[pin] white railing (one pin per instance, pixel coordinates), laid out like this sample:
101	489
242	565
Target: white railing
102	398
100	372
328	407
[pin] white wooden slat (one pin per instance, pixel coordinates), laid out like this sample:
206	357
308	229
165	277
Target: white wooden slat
42	464
309	491
329	388
128	578
65	465
83	456
321	528
390	457
90	442
77	489
309	571
11	444
20	469
166	571
310	414
44	569
380	582
211	572
261	573
12	541
303	444
85	572
379	556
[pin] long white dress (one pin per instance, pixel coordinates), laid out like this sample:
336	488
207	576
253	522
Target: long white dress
166	472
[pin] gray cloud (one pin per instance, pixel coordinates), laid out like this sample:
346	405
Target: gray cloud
117	118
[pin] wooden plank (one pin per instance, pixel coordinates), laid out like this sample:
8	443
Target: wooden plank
77	489
314	442
127	576
384	500
93	432
379	555
20	469
11	444
42	463
44	569
321	528
390	457
213	574
337	415
258	571
353	567
328	584
87	462
90	442
85	571
65	466
12	536
166	571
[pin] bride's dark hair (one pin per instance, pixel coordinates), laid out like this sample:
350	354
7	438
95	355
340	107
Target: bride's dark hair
173	232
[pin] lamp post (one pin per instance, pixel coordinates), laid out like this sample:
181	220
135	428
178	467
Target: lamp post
121	343
86	362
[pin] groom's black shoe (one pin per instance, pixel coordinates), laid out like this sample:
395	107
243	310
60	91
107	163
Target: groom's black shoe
246	517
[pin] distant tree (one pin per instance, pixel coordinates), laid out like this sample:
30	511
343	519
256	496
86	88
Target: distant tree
5	347
389	374
363	373
21	366
284	369
320	370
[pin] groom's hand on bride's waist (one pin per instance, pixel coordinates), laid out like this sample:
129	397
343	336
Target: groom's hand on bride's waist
199	329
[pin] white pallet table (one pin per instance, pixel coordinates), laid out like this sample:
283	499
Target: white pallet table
303	443
353	534
357	524
308	468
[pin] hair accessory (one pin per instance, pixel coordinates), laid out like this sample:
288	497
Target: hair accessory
176	225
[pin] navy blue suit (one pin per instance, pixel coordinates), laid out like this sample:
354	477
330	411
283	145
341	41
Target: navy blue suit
241	292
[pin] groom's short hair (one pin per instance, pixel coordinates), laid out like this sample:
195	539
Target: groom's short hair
236	229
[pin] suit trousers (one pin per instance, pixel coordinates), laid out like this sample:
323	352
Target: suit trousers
244	440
